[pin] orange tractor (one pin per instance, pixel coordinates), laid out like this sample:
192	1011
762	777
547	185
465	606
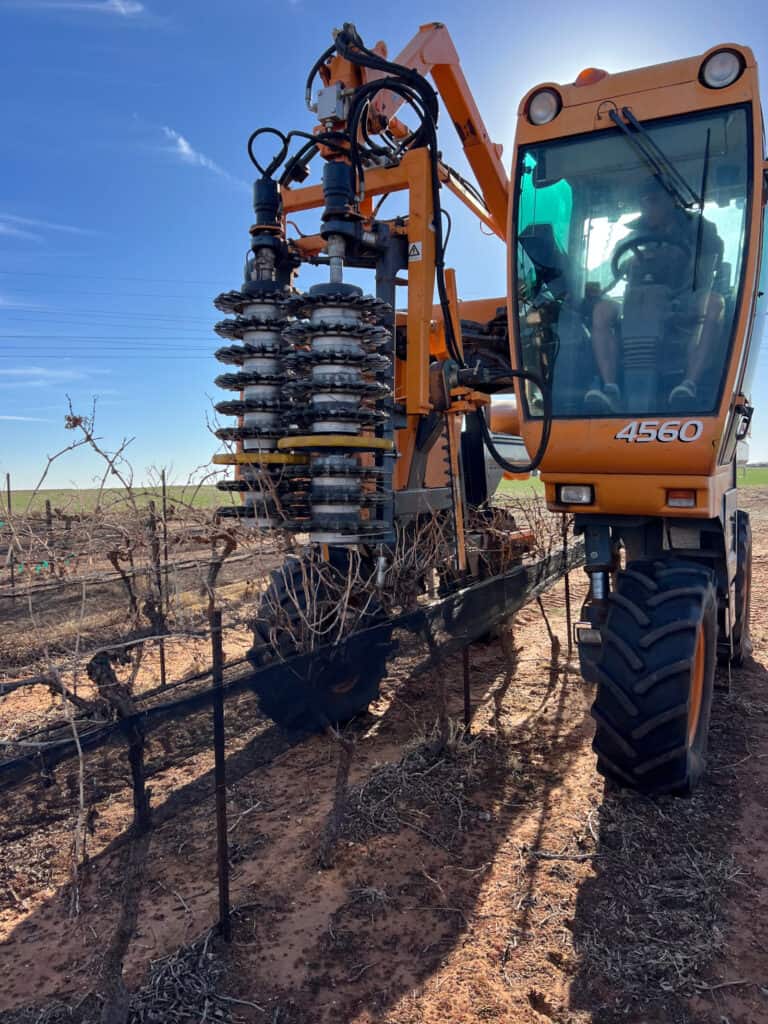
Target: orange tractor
633	219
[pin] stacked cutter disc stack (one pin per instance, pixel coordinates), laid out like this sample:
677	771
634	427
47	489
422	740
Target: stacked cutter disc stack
274	485
342	382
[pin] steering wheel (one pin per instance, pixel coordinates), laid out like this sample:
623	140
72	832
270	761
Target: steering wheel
640	246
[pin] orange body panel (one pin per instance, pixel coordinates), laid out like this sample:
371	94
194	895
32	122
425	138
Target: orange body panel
643	494
481	310
505	418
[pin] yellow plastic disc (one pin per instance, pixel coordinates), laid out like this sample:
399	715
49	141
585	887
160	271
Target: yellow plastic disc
257	458
336	441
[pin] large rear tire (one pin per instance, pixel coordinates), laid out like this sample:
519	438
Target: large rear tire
655	677
742	643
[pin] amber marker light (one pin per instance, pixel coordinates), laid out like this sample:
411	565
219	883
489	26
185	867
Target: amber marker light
589	76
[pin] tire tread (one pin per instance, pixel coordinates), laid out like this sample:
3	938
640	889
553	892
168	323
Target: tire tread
643	676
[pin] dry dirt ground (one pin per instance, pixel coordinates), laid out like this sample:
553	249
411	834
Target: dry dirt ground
496	881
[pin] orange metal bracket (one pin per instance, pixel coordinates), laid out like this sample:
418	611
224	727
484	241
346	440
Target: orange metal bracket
432	51
421	279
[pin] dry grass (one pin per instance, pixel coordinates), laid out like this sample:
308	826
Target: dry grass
424	791
662	924
182	987
651	921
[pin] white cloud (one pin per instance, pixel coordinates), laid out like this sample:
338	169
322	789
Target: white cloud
12	231
41	373
26	419
123	8
10	303
10	224
187	154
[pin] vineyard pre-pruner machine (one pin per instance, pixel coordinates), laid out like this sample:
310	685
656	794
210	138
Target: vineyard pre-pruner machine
373	423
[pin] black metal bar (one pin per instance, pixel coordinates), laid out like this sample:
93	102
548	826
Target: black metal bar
467	702
388	263
473	460
567	577
220	775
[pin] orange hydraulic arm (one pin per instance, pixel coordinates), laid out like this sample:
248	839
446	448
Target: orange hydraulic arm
431	51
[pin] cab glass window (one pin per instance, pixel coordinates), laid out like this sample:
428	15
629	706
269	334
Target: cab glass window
628	262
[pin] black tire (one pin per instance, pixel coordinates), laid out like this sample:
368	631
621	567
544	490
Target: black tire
659	636
742	643
341	687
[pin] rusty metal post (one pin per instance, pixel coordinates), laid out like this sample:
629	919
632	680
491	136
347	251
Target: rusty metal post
49	533
11	548
164	575
220	773
165	538
568	626
467	702
155	550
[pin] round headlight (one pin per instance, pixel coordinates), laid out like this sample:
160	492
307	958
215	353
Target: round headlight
543	106
721	69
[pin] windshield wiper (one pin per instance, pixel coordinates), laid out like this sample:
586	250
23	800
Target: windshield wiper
700	228
664	170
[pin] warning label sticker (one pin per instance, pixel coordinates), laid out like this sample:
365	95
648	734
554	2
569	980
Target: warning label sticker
414	252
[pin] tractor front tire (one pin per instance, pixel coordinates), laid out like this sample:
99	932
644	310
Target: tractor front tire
655	677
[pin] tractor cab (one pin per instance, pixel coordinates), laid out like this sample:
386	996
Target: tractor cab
635	230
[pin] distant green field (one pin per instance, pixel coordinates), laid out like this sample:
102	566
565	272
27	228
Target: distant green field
748	476
73	500
521	488
752	476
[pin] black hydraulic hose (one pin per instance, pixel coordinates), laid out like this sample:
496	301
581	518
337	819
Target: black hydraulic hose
534	463
315	68
269	170
301	158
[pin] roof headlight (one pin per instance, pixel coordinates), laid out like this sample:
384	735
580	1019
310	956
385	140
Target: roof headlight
722	68
544	106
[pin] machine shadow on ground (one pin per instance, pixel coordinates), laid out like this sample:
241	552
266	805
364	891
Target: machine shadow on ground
364	938
649	923
418	923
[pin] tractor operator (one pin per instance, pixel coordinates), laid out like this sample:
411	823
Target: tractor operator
685	253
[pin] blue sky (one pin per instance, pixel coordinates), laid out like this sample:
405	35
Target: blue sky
124	183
